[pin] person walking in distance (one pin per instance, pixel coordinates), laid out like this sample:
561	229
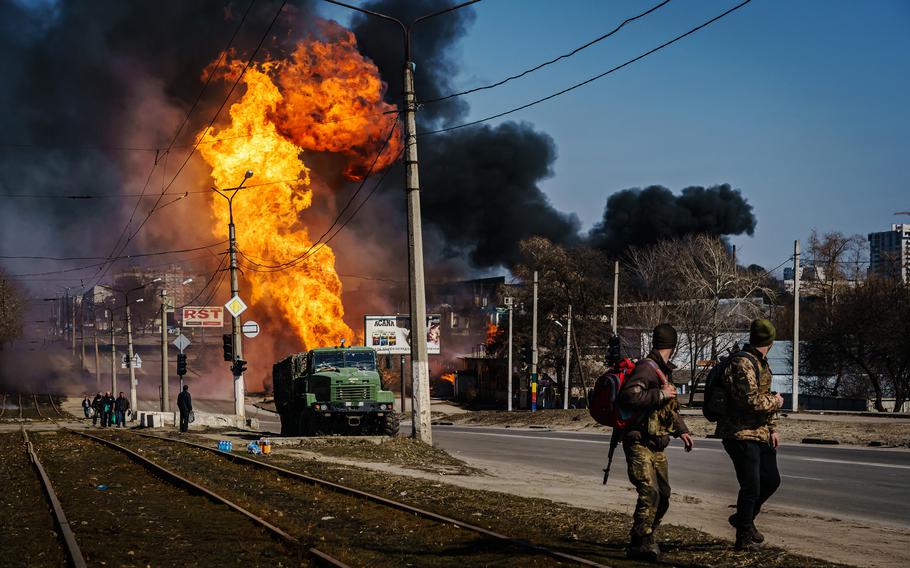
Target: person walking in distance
121	406
96	406
650	396
185	406
748	430
87	407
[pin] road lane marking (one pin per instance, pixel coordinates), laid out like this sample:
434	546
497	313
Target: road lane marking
848	462
802	477
560	439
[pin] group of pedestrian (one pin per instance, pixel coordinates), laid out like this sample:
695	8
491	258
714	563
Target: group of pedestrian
111	411
747	430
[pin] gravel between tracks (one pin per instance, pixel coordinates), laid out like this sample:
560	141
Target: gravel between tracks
140	520
359	532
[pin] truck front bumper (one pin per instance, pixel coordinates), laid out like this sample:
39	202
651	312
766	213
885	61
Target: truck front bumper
359	407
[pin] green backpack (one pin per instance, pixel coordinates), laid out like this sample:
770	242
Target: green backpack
717	399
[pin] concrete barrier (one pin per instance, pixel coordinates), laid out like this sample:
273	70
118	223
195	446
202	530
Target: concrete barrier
157	419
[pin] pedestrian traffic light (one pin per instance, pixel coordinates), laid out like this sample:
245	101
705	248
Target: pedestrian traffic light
181	364
239	367
228	346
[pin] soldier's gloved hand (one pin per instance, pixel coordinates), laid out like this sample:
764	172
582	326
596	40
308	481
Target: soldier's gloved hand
687	441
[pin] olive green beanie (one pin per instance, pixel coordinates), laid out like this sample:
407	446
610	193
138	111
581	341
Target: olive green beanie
761	333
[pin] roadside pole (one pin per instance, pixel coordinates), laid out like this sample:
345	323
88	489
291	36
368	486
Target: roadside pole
134	403
796	275
114	359
165	404
509	395
615	296
97	359
73	326
534	349
565	397
401	376
82	334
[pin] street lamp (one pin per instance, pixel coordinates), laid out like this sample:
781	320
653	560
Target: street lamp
235	291
420	377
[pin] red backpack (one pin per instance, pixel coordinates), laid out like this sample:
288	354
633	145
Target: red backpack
603	400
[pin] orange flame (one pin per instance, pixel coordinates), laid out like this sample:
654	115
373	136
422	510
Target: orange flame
492	330
449	377
268	133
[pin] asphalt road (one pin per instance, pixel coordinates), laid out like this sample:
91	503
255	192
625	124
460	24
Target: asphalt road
846	482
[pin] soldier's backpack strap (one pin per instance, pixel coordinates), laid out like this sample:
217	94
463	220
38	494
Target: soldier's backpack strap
656	367
756	366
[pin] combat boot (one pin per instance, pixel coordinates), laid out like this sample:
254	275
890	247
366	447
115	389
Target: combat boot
757	537
745	538
639	548
650	542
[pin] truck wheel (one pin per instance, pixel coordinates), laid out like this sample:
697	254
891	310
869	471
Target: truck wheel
287	425
306	427
390	424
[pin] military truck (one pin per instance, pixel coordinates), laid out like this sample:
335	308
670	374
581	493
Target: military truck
332	390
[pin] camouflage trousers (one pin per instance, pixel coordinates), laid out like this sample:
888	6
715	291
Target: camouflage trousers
650	475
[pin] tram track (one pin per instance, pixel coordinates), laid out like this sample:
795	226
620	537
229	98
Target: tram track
362	508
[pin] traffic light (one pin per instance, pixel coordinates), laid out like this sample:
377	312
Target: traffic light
525	353
181	364
239	367
228	345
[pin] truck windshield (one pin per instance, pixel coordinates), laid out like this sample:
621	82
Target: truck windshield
363	360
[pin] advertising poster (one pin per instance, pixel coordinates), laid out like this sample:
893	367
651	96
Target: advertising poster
391	335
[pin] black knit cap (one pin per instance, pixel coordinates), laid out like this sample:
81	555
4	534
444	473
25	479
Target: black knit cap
664	337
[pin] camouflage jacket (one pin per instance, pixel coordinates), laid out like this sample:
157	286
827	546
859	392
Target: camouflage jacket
658	416
751	414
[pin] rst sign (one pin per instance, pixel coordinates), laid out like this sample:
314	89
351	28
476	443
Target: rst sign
203	316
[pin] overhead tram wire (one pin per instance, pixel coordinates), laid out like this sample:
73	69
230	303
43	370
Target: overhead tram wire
199	138
173	141
297	260
590	80
87	196
551	61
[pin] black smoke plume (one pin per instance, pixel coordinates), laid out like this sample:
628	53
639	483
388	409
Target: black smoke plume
635	217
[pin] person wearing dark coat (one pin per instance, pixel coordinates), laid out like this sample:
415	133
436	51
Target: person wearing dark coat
87	407
107	410
96	405
121	405
185	406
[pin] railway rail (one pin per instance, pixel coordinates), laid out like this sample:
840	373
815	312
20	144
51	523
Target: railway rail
385	502
161	475
30	407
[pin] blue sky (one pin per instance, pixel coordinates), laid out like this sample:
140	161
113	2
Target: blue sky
801	104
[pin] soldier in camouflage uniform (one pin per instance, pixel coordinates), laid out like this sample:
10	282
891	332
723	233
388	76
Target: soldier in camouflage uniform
650	394
748	430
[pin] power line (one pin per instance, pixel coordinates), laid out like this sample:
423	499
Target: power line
202	136
551	61
159	253
590	80
86	196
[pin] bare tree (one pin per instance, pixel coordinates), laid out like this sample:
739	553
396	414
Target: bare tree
11	311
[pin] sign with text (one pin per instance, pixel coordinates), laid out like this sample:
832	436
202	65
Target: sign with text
391	335
203	316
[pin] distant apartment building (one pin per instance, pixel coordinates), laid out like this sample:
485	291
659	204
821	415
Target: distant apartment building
889	252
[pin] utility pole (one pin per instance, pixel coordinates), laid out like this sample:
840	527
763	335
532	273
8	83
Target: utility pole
73	325
420	378
82	333
534	349
401	376
236	336
97	359
134	402
565	398
509	394
796	275
615	297
114	359
165	404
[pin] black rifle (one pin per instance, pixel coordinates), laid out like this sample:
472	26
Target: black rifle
614	441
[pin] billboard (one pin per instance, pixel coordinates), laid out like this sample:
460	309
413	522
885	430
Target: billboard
391	335
203	316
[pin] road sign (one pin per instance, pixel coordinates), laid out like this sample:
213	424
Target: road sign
123	360
137	362
203	316
507	300
181	342
250	329
235	306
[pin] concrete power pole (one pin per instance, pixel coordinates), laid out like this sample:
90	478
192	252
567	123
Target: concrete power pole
565	387
615	297
114	359
97	359
796	275
235	324
134	402
420	375
73	325
509	393
534	349
165	403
